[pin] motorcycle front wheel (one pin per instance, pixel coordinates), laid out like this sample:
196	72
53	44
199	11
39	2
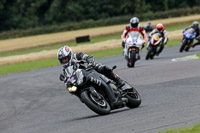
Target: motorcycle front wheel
99	106
183	45
134	99
149	52
132	59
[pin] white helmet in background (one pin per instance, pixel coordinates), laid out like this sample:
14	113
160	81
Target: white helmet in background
65	55
195	25
134	22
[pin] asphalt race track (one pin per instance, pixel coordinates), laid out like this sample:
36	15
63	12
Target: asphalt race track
37	102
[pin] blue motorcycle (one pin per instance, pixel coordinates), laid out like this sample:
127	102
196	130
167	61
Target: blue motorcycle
188	37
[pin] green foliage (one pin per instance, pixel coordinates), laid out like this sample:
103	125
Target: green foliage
96	23
26	14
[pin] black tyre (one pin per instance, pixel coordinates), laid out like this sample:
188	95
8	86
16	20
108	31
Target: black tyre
150	50
187	49
183	45
152	56
100	107
132	60
153	53
134	99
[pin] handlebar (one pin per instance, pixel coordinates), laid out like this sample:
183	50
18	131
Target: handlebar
114	67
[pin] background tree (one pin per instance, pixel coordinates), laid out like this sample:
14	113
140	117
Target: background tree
23	14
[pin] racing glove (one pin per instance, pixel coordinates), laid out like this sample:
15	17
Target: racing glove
62	77
124	40
90	59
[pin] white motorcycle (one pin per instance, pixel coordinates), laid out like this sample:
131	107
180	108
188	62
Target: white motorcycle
132	48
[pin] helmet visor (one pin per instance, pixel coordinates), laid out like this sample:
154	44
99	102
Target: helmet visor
65	60
134	25
159	29
195	26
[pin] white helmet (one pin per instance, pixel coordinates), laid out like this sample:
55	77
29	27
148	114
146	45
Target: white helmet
65	55
134	22
195	25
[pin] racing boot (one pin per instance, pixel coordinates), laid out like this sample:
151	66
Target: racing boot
160	50
119	82
195	44
157	53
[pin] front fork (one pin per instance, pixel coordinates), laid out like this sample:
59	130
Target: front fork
94	93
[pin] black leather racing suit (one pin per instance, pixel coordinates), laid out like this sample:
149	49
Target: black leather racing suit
103	69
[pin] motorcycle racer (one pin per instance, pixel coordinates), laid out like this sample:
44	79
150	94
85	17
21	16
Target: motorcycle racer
159	29
195	26
133	26
148	27
67	58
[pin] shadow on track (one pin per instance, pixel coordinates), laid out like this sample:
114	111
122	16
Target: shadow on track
96	115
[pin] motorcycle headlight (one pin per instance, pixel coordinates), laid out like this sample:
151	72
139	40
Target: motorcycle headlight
72	89
80	77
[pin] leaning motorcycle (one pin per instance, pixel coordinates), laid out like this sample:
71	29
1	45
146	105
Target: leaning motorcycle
98	92
153	45
132	48
188	37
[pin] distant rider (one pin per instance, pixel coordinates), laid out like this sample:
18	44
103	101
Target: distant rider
148	27
133	26
159	29
195	26
67	58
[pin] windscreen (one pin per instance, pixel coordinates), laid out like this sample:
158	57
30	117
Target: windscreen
134	34
69	71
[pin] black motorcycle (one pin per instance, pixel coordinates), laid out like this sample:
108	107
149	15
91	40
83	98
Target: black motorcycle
99	93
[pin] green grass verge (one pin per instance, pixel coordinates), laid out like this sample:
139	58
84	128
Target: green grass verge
198	55
31	65
26	66
193	129
178	27
93	40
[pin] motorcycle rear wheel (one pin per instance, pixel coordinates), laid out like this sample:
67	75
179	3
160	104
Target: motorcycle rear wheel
100	107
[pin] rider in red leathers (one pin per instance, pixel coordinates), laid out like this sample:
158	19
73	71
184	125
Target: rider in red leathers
133	26
159	29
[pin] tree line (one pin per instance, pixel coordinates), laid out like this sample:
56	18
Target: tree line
24	14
